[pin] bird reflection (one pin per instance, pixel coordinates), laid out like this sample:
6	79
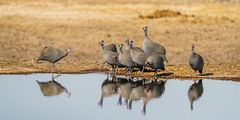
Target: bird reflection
155	89
132	89
52	88
195	92
124	89
108	88
137	92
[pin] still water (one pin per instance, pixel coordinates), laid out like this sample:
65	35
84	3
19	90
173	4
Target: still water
91	96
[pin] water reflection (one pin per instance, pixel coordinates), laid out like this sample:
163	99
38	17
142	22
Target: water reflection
153	90
52	88
131	89
195	92
108	88
161	99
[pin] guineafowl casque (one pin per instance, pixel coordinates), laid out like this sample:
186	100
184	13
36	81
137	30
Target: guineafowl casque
110	57
196	62
52	55
155	61
139	57
150	46
195	92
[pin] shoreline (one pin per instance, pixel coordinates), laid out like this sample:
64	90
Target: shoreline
217	71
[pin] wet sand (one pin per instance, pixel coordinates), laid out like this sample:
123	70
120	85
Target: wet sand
27	26
182	72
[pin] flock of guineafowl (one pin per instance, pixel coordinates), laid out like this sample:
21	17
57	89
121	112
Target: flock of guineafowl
152	55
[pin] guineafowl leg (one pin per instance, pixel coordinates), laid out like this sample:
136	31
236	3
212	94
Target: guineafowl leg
155	73
143	69
52	67
126	69
126	101
119	100
144	108
129	105
101	102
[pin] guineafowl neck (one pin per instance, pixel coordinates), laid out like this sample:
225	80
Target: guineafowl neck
145	33
65	54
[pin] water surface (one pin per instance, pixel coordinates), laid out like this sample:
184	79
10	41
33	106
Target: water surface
77	97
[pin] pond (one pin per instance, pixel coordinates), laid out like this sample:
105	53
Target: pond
91	96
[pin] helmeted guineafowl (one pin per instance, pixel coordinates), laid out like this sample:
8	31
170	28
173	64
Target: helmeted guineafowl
110	57
110	47
155	61
196	62
195	92
52	55
139	57
125	58
150	46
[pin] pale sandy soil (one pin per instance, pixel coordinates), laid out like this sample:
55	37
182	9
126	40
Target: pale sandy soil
26	26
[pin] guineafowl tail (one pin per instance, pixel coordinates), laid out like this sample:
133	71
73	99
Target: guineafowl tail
164	58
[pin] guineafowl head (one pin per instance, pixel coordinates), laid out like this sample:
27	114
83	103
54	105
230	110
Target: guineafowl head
120	48
145	29
131	45
68	51
101	43
193	46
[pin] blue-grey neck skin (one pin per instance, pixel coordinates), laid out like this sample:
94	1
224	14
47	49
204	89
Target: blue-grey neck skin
127	41
145	30
131	45
121	48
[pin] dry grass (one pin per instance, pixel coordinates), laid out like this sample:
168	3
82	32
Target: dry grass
27	26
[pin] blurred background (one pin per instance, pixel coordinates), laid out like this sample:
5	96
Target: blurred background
26	26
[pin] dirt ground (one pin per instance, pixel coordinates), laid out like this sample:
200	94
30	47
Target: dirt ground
26	26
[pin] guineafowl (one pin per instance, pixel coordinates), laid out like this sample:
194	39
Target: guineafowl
153	90
150	46
110	57
137	93
139	57
124	90
195	92
155	61
52	55
108	88
125	58
52	88
110	47
196	62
